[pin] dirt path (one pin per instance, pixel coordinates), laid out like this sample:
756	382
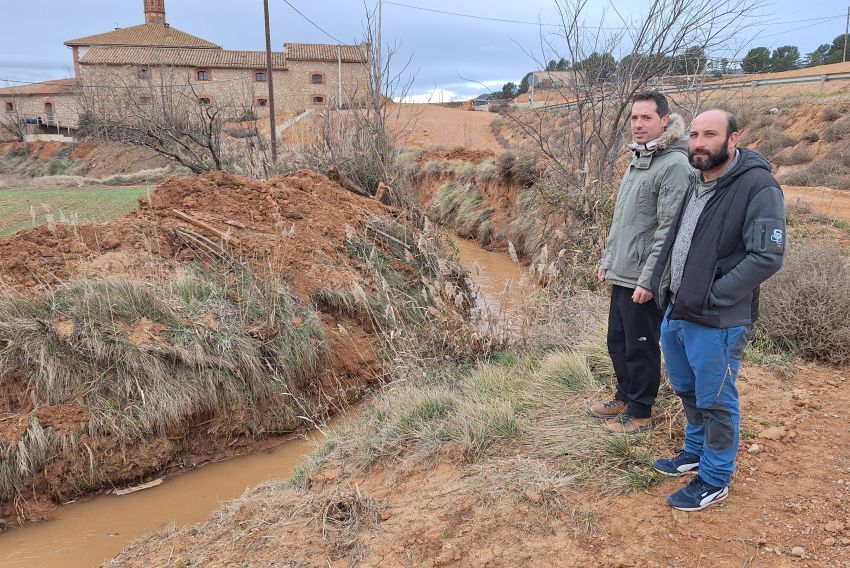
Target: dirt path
830	202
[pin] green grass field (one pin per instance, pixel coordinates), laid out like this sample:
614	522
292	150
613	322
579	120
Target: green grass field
21	208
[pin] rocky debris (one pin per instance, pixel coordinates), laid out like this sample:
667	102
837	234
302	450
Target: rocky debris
798	551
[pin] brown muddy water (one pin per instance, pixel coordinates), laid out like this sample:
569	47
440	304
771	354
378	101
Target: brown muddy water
497	276
84	534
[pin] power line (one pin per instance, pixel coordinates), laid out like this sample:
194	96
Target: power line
527	22
314	24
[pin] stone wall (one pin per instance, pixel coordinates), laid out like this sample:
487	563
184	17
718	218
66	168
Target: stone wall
295	90
302	93
64	108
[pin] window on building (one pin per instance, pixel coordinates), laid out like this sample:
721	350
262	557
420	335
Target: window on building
317	78
144	74
204	100
10	107
203	74
260	76
318	99
262	103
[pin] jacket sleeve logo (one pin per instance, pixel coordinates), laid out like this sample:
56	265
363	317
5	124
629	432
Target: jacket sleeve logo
777	237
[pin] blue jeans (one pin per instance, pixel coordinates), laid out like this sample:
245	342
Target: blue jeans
703	364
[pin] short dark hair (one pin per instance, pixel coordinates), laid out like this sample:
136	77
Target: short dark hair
733	124
662	107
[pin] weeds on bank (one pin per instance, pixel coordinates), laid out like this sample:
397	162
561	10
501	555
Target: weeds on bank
518	417
461	207
150	360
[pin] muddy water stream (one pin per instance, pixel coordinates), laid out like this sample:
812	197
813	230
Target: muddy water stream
84	534
496	274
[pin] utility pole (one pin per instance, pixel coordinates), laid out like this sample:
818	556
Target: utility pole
380	66
846	30
270	80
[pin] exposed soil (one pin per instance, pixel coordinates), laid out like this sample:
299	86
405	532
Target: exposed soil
832	203
102	159
461	154
293	224
434	126
790	492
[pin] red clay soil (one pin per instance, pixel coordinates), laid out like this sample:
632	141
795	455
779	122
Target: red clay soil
294	227
103	159
293	224
108	159
787	507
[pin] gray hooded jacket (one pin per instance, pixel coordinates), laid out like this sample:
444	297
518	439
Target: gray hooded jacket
649	197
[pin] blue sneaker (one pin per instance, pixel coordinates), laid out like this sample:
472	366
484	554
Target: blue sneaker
683	462
697	495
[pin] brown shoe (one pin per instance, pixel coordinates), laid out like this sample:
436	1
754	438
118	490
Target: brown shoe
608	410
626	424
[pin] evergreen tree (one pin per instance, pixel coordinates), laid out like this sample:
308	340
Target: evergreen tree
757	60
784	58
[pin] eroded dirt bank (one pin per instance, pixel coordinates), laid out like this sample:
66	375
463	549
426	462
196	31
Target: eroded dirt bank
94	371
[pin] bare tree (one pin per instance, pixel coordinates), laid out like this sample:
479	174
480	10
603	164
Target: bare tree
163	110
599	97
361	138
13	122
580	127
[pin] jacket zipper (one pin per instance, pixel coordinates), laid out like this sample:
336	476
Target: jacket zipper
763	234
723	382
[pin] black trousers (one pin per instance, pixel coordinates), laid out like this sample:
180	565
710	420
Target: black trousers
633	334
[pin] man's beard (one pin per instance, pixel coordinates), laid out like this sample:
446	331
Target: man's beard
711	161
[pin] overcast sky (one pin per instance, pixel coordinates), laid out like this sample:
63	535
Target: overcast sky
452	56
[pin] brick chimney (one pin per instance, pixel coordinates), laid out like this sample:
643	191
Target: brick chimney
154	11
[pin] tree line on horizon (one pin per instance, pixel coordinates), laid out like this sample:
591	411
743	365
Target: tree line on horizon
693	61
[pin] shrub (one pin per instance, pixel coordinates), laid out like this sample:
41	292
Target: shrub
838	130
819	173
773	141
505	165
830	114
806	306
796	156
810	136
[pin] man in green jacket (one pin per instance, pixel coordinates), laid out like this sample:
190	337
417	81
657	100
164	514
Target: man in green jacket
649	197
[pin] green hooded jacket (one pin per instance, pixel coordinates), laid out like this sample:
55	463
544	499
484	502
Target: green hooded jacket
649	197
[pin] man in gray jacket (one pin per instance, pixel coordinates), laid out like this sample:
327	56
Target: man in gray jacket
728	238
649	197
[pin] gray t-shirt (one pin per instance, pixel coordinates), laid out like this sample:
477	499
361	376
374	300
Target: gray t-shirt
696	203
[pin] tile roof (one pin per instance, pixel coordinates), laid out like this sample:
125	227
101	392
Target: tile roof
145	35
211	58
326	52
55	87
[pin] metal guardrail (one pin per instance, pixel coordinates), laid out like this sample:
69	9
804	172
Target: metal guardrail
822	78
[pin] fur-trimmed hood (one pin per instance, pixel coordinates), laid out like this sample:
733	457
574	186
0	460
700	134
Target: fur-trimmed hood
671	138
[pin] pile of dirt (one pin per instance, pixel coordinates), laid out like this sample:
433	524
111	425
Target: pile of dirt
293	224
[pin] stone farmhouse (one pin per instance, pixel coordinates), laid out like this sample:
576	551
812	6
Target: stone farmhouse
306	75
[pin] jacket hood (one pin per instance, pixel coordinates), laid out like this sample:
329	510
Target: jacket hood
673	136
748	159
